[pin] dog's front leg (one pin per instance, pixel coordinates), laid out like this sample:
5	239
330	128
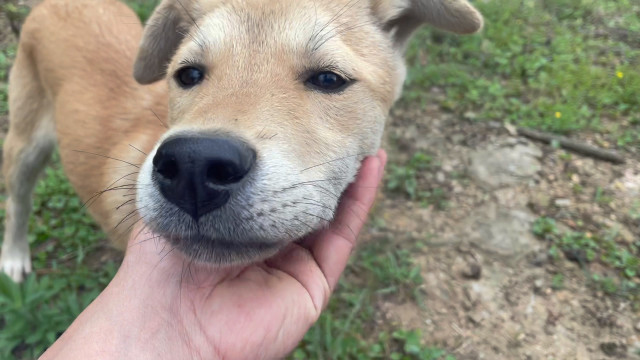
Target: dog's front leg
27	149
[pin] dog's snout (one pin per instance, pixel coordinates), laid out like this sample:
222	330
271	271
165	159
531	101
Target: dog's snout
199	174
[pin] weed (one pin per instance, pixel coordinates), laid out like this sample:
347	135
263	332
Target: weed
143	8
557	66
33	314
7	55
406	180
584	247
634	212
557	282
379	269
601	197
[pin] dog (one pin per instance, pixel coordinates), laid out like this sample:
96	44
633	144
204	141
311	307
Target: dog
266	110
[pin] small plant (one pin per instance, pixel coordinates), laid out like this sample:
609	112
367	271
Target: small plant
634	212
557	282
342	332
515	71
412	347
584	247
600	197
143	8
406	180
61	234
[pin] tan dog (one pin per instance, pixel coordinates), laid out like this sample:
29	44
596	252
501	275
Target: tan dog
268	108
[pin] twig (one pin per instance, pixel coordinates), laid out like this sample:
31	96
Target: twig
573	145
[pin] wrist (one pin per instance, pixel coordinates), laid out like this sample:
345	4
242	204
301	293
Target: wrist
124	322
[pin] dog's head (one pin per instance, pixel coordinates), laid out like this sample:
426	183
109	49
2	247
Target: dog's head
272	106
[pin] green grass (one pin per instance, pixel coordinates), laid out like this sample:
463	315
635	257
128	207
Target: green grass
560	66
65	244
380	270
143	8
405	180
604	247
7	54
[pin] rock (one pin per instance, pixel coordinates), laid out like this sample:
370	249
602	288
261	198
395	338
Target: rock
582	353
501	230
512	197
614	349
493	168
562	203
467	268
637	326
540	199
470	115
539	258
538	286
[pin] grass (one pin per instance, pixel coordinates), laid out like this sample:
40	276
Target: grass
65	244
604	248
560	66
407	180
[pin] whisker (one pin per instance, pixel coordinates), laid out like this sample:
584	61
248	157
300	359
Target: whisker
158	117
331	161
348	6
107	157
138	150
128	202
127	217
108	188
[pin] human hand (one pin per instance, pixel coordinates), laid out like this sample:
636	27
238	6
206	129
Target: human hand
165	307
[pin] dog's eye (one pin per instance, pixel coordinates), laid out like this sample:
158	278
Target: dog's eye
189	76
327	81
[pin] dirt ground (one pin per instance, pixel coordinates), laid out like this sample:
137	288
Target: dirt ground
487	290
487	280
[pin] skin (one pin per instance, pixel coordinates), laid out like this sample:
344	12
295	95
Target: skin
155	308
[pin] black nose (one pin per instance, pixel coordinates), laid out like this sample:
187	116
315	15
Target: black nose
198	174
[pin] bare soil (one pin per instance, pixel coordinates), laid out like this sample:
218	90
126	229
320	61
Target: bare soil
487	291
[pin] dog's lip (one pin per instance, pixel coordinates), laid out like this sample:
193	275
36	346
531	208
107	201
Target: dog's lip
221	244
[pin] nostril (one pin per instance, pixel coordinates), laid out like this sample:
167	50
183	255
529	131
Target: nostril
224	173
167	168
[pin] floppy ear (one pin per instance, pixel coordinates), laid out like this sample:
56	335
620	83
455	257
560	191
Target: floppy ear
165	30
403	17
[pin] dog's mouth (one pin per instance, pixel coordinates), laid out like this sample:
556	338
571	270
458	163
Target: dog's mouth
203	248
213	217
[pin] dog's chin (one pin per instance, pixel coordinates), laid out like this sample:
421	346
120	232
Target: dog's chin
223	252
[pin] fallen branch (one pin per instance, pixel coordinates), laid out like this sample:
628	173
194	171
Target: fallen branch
573	145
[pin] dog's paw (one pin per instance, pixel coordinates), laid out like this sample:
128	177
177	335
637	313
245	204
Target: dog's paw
15	265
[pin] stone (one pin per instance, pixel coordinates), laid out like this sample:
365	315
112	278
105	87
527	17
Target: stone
494	168
613	349
467	268
501	230
562	203
538	286
582	353
540	199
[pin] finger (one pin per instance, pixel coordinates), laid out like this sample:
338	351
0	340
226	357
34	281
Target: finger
298	263
331	247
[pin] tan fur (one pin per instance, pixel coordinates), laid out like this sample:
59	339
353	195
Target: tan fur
75	62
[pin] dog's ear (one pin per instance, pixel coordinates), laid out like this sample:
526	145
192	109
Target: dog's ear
403	17
165	30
